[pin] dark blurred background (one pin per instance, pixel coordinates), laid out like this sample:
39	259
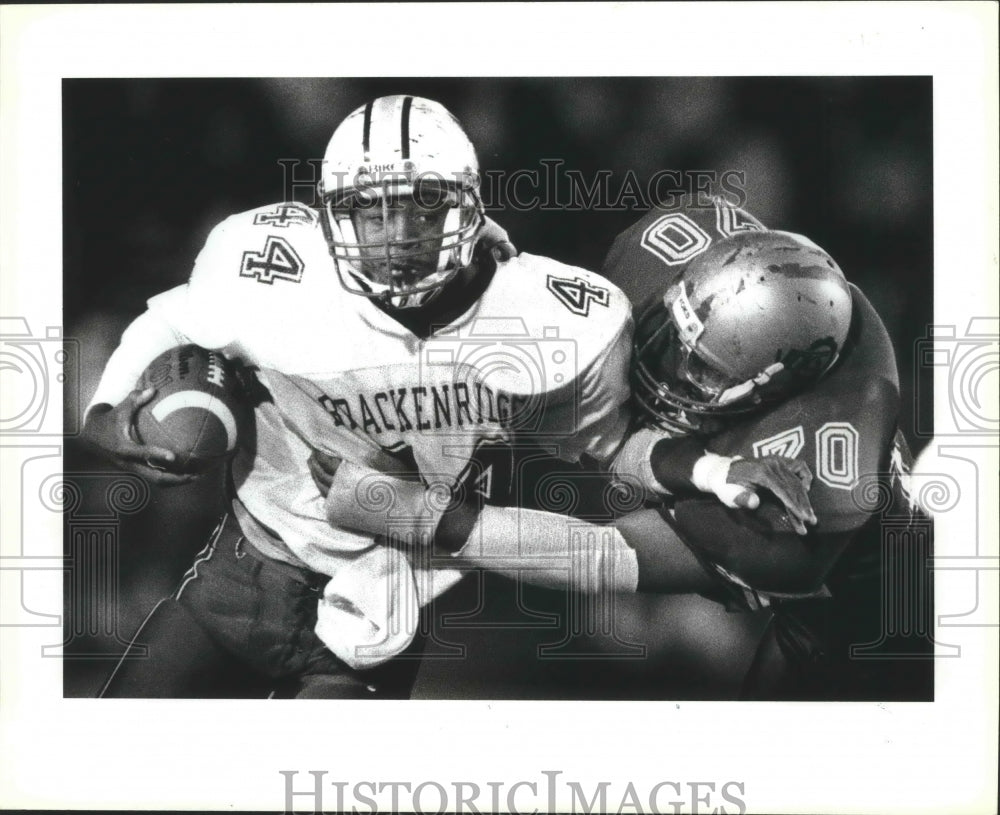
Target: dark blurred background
151	165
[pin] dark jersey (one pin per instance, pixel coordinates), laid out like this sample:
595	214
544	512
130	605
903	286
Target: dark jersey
843	427
868	557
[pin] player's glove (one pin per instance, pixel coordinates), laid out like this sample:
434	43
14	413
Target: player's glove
111	432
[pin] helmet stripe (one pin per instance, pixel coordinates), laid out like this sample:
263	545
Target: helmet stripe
366	134
404	136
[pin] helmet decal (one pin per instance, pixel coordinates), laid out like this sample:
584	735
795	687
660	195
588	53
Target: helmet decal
688	324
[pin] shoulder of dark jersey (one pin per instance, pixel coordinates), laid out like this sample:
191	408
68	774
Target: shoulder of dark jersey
868	351
650	255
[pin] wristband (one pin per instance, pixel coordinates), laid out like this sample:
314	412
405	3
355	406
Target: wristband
710	474
634	460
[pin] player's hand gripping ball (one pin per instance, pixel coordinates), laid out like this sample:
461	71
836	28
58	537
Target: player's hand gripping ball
197	411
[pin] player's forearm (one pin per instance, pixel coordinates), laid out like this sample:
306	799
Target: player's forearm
546	548
145	338
662	563
681	465
673	460
639	552
659	462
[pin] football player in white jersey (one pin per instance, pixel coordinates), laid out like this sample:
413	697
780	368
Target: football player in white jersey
383	333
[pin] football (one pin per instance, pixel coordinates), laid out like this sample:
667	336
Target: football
198	410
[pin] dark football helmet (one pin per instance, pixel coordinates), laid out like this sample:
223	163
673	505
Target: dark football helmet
751	321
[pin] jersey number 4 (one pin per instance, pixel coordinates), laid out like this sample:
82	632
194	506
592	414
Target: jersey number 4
278	261
283	215
577	294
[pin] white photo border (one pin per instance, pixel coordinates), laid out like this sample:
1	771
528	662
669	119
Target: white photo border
169	754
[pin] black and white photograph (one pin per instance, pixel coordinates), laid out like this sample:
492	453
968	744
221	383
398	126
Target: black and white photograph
416	435
549	393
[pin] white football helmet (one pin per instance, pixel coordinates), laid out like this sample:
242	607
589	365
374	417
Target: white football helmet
400	148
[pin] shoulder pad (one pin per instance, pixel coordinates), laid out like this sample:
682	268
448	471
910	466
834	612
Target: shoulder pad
566	296
283	215
540	302
869	350
284	235
648	256
281	218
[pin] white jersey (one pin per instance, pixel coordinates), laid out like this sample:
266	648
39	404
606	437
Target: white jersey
541	356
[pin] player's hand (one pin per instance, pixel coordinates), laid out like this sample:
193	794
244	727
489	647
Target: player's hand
788	478
111	430
495	240
323	467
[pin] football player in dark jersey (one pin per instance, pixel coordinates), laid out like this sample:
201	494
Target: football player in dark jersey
748	350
